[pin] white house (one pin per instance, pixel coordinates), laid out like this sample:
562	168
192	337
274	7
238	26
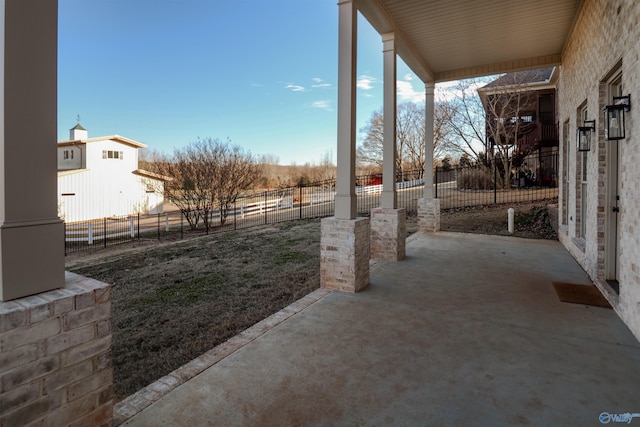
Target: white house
99	177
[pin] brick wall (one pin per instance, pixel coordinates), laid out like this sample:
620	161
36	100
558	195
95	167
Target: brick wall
606	38
55	357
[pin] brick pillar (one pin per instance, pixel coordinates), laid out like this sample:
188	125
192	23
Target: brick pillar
55	356
429	215
388	234
344	254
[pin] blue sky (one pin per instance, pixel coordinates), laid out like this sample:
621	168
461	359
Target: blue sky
260	73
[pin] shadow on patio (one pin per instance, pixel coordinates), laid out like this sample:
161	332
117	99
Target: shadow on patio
467	330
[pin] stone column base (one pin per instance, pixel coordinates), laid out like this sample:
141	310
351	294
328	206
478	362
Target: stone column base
388	234
55	356
344	254
429	215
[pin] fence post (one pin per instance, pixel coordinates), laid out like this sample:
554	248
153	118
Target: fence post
436	182
104	232
495	181
265	207
64	225
138	225
300	200
132	225
166	222
90	233
181	225
158	226
235	214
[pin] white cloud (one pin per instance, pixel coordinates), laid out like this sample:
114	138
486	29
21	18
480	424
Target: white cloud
323	105
408	77
365	82
319	83
406	92
448	91
295	88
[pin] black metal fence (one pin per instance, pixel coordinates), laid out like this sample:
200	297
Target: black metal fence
452	186
479	184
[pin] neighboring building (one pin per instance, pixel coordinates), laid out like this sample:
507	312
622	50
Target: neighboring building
520	111
99	177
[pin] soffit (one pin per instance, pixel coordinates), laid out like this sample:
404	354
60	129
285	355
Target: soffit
454	39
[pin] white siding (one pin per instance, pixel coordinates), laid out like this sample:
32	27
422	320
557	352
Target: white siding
107	187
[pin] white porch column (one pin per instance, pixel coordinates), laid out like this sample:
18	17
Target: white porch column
429	107
346	202
388	197
428	207
388	224
31	234
56	364
344	239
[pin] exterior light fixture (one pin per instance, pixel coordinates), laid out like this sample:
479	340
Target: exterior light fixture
614	116
584	135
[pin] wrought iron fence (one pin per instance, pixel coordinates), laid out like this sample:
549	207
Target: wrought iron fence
312	201
479	184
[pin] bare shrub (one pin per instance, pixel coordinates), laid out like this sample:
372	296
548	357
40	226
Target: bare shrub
475	179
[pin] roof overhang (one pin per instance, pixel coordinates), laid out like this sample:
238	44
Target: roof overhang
152	175
116	138
457	39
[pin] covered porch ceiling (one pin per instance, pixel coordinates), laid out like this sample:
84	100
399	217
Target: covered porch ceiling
456	39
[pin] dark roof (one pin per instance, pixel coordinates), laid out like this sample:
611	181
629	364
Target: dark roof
77	127
540	75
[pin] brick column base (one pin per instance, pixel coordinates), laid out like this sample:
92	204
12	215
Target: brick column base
344	254
388	234
55	356
429	215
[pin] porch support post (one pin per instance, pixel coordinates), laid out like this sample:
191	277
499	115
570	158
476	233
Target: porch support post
55	343
346	201
388	197
31	234
428	207
344	239
388	224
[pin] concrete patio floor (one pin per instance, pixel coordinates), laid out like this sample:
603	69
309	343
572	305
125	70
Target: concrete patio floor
466	331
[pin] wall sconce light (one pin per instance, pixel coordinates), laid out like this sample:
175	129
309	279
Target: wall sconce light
615	116
584	135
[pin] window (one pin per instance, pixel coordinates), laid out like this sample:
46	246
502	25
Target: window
66	154
111	154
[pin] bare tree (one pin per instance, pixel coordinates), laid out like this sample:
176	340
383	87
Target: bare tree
510	112
410	138
486	122
369	152
207	174
463	120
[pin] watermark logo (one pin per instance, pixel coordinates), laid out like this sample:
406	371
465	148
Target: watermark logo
627	417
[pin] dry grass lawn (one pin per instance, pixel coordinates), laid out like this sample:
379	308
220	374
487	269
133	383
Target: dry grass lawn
174	301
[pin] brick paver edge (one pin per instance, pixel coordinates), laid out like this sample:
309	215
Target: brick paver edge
134	404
